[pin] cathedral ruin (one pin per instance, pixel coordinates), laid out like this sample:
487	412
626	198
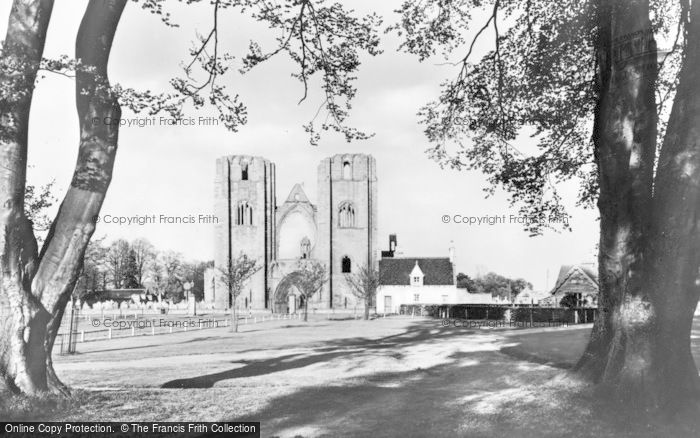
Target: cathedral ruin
339	230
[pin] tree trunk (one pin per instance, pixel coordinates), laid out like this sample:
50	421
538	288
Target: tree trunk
674	248
306	309
22	356
639	351
36	293
234	317
624	137
54	383
367	303
71	230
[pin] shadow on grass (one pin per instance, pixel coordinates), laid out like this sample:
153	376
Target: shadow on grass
471	393
560	349
418	333
474	392
252	369
563	348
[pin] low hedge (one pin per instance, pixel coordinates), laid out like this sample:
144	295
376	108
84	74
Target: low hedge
502	312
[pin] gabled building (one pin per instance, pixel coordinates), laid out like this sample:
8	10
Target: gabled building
417	280
576	286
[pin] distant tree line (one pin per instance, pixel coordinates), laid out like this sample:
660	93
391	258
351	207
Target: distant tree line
495	284
135	264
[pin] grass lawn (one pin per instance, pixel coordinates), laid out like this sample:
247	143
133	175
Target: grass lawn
387	377
563	348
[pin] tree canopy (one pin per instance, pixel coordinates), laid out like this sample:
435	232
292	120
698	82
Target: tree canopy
538	80
321	39
494	284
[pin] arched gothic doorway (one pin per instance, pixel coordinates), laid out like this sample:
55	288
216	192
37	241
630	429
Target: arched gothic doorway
288	296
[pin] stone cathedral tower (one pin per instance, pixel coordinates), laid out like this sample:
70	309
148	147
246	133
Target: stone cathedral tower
245	205
347	220
340	231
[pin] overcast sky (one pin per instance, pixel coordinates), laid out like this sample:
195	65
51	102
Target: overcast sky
170	170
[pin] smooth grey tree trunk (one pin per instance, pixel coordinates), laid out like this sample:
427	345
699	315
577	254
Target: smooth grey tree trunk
36	288
639	350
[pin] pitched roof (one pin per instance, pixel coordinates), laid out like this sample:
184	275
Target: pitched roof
297	194
416	271
567	271
397	271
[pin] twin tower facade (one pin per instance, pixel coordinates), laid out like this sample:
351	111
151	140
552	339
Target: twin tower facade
339	231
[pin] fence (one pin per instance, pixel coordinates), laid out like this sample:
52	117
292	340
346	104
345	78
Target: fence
503	312
77	328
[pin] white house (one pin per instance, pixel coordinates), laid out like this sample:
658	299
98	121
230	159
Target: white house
530	296
417	280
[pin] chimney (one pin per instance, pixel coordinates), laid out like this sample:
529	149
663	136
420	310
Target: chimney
392	247
452	251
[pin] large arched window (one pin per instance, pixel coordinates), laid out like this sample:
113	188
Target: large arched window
244	214
346	215
346	265
347	170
